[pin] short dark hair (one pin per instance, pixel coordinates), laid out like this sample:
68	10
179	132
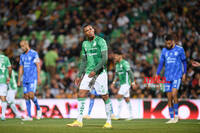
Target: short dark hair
85	25
117	52
168	37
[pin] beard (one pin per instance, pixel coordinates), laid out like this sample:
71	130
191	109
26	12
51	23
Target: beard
91	38
25	50
169	47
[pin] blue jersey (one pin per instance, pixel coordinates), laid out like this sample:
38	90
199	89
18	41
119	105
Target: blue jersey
173	60
28	61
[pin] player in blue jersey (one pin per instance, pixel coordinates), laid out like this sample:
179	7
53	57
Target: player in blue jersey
30	68
94	94
173	56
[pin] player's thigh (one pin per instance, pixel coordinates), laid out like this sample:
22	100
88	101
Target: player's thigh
83	93
84	85
11	95
3	90
124	90
119	96
127	99
101	84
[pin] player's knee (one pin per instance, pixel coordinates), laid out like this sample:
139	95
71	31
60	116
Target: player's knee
127	100
105	97
26	96
3	99
82	93
92	96
174	95
31	96
119	96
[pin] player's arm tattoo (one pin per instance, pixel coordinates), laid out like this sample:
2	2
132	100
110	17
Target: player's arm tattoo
83	62
102	62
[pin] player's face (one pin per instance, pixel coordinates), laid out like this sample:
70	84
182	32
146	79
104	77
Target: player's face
89	31
24	46
169	44
116	58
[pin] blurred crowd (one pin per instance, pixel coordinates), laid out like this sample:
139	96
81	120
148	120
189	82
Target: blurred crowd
136	27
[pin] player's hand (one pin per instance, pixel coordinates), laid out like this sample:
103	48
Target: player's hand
184	77
8	80
77	81
39	81
92	74
195	64
18	83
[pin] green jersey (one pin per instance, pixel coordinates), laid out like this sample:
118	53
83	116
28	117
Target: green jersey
4	64
92	50
13	83
121	70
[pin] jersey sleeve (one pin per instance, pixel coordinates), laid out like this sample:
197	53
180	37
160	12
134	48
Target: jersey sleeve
36	58
103	45
183	57
162	60
126	65
162	56
8	64
83	50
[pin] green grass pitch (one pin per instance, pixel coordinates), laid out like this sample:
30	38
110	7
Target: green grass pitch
95	126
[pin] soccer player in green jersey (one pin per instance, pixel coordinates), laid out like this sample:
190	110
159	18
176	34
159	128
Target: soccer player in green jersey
94	56
5	67
126	79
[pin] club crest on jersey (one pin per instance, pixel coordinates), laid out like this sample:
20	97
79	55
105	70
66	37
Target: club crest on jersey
176	53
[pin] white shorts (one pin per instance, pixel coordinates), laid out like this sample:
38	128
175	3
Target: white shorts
101	83
11	95
124	90
3	89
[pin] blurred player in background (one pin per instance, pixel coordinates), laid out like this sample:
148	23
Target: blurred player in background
125	75
94	56
5	67
173	56
30	68
94	94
